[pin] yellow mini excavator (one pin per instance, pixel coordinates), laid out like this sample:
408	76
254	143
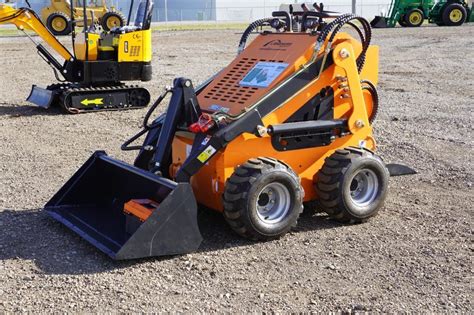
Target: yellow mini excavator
91	77
288	121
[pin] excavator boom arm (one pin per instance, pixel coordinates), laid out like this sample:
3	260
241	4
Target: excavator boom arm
25	18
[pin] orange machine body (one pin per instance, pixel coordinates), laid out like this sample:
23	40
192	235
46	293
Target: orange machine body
227	93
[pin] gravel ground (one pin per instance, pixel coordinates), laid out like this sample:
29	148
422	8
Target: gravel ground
414	256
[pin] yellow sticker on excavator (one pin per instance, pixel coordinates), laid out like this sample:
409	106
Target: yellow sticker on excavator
207	154
97	101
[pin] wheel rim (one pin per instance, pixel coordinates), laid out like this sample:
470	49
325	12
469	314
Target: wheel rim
415	18
59	24
455	15
112	22
364	188
273	203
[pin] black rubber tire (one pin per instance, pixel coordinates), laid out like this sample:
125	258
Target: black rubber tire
447	11
412	12
335	179
401	21
312	207
440	23
60	15
109	15
244	187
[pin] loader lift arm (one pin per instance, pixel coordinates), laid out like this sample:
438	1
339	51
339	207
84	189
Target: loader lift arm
27	19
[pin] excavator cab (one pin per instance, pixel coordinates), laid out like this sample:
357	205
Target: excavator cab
143	16
130	43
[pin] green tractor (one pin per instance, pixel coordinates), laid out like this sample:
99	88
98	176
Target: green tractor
412	13
451	13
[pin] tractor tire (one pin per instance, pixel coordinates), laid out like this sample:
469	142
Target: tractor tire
111	20
401	21
59	24
352	185
454	15
414	18
263	199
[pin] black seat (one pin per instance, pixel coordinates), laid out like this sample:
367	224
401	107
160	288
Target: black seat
144	14
142	19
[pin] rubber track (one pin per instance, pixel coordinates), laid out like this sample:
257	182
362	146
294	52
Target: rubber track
71	91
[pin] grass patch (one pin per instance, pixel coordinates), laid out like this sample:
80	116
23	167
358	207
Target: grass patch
200	26
10	32
5	32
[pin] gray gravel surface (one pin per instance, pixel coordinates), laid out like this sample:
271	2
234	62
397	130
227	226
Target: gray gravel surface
414	256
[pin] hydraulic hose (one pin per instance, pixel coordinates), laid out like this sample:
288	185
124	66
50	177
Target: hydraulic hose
146	124
365	42
250	29
369	86
335	26
325	32
357	29
126	146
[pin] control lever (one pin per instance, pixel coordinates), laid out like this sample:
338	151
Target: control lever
319	8
305	7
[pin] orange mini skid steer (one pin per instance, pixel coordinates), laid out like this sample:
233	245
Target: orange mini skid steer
288	121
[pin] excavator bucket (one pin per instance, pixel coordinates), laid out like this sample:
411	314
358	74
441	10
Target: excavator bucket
98	203
41	97
379	22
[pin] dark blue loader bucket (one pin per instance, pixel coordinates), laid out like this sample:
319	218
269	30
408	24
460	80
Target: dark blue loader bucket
379	22
91	204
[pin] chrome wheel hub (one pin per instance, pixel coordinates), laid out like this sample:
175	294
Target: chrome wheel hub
273	203
364	188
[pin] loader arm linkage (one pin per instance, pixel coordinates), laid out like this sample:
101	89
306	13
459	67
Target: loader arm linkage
27	19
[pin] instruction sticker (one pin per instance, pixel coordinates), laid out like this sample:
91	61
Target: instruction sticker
206	140
263	74
218	108
207	154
